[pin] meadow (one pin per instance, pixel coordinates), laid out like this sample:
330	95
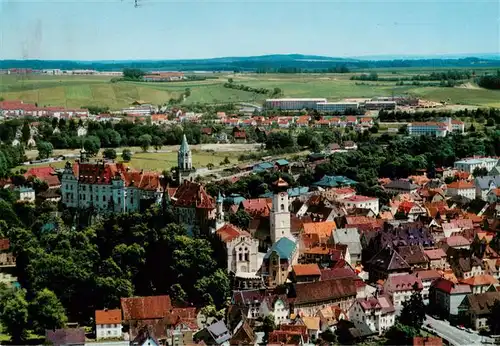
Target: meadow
80	91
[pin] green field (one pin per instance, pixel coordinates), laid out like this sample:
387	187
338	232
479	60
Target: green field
79	91
164	161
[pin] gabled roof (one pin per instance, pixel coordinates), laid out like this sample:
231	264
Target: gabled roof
401	184
428	275
481	304
382	303
108	316
484	182
140	308
319	291
193	195
480	280
412	254
228	232
457	240
435	254
66	336
461	184
321	229
311	269
284	247
403	282
450	287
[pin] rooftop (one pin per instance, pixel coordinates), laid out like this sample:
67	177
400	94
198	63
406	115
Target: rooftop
108	316
284	247
306	270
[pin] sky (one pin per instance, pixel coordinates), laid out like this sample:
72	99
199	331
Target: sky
185	29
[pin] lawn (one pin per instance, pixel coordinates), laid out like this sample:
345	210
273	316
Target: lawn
79	91
164	161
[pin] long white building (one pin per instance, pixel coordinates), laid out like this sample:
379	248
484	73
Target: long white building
436	128
293	104
469	164
336	106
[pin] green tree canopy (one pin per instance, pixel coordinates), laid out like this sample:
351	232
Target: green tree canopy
44	149
47	312
126	155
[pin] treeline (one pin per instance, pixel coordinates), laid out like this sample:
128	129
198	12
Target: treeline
335	69
479	114
490	81
264	91
451	75
10	157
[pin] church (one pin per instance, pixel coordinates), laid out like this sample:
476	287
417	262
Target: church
251	268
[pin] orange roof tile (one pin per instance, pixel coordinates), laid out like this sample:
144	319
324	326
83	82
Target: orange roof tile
321	229
108	316
306	269
461	184
480	280
229	232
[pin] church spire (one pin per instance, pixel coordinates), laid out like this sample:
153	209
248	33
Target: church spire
184	146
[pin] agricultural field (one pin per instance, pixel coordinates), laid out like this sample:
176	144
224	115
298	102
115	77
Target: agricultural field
80	91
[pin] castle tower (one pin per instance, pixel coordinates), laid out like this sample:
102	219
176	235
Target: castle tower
83	155
184	161
219	216
280	213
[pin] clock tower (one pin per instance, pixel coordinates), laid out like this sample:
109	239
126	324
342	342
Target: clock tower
280	213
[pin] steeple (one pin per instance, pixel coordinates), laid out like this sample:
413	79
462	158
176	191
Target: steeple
83	154
219	216
280	213
184	156
184	146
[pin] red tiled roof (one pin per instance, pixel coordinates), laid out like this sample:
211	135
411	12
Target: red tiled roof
358	198
427	341
47	174
257	206
193	195
450	287
435	254
403	282
229	232
457	240
4	244
480	280
306	269
319	291
142	308
460	184
108	316
426	275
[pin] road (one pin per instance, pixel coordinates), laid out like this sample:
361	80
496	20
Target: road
453	335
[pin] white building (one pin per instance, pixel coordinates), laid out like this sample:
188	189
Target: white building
377	312
242	250
25	194
362	202
436	128
339	107
469	164
293	104
108	324
81	131
461	188
400	287
107	187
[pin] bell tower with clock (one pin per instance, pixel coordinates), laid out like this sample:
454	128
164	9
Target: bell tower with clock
280	213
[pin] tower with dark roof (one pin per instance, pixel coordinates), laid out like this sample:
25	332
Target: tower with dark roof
280	213
184	160
219	216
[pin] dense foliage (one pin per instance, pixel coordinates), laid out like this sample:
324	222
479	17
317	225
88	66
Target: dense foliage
490	81
479	114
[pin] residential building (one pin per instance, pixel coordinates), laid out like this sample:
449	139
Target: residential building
261	303
289	335
305	273
361	202
401	286
427	277
437	258
278	262
293	104
25	194
469	164
7	263
401	186
468	266
377	312
107	187
446	296
108	324
351	238
330	316
312	324
215	334
476	309
485	184
65	337
462	188
481	283
318	232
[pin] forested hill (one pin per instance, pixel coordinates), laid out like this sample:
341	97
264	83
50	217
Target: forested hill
266	63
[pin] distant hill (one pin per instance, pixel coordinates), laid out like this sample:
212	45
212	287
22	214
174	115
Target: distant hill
264	63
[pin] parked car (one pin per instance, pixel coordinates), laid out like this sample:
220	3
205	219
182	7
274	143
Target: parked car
461	327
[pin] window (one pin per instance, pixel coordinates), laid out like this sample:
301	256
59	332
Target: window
282	207
104	198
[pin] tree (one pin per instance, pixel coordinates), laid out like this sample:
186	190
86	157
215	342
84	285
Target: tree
400	334
230	80
92	144
240	219
328	336
25	132
14	316
47	312
44	149
216	286
109	153
480	172
268	325
132	73
226	161
413	313
316	146
126	155
145	142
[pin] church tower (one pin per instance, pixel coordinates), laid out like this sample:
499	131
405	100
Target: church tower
280	213
184	161
219	216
